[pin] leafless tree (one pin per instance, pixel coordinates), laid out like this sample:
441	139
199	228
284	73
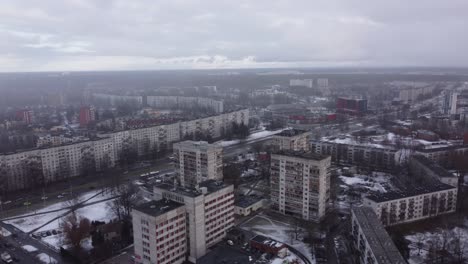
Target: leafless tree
420	237
75	229
122	205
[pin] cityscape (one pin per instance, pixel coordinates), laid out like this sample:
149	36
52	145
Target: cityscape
179	133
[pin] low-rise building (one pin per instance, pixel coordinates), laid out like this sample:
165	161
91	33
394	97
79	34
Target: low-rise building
245	205
444	155
159	231
371	239
415	203
300	184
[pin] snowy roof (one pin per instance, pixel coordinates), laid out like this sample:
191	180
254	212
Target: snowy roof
157	208
301	154
409	192
380	243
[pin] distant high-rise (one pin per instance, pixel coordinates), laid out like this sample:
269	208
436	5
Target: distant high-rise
25	115
198	161
87	115
309	83
300	184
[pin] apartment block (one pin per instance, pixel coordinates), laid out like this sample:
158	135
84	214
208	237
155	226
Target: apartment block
424	168
309	83
444	155
159	231
376	157
300	184
57	163
185	102
416	203
292	139
210	211
197	161
371	239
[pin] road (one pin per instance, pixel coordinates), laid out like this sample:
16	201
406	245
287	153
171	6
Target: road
19	239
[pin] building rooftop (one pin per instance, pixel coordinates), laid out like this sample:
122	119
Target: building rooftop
191	145
210	186
291	133
157	208
378	239
409	192
301	154
246	201
442	148
437	169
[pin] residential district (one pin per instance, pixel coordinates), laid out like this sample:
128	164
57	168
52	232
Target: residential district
326	168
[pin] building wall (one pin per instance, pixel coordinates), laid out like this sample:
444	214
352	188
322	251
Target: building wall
378	158
210	216
195	163
295	143
245	211
160	239
61	162
414	208
185	102
299	186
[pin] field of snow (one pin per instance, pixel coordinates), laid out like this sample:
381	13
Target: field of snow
377	181
98	211
420	242
282	232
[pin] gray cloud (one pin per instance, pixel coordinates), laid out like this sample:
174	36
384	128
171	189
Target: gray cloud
121	34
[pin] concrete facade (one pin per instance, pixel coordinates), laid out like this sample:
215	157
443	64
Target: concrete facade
419	203
300	184
292	139
210	213
159	231
197	161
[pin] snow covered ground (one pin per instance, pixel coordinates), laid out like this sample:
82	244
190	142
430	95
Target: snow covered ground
377	181
254	136
98	211
282	232
44	258
29	248
420	242
289	259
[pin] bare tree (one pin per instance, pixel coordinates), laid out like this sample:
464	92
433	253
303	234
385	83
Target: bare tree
75	230
122	205
420	237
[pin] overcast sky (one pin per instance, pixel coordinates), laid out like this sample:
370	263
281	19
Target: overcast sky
62	35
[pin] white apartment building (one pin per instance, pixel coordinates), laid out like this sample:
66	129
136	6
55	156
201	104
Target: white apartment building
159	232
416	203
322	83
371	239
346	152
300	184
57	163
65	161
443	155
210	211
113	99
309	83
197	161
185	102
292	139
